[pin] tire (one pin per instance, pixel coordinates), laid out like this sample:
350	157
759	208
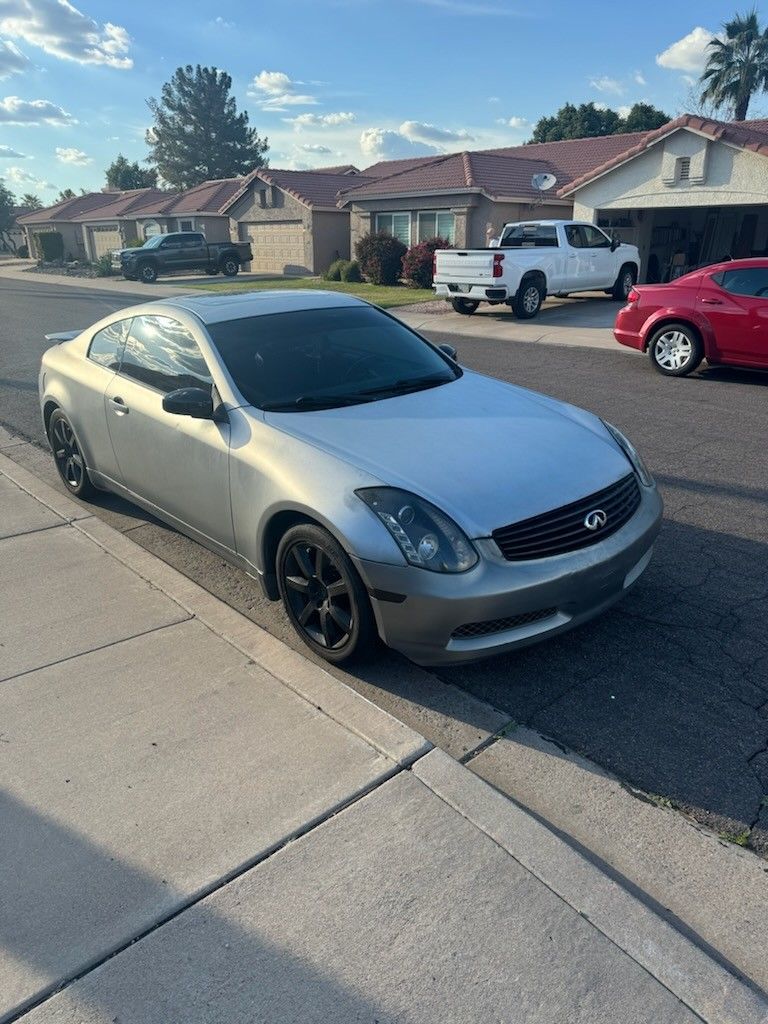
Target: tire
319	584
624	283
147	273
68	457
230	266
465	306
528	299
675	350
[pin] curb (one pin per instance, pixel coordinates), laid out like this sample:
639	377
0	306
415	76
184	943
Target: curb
703	985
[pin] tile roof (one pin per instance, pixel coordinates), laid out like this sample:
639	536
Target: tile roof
124	204
752	135
347	169
69	208
318	188
384	168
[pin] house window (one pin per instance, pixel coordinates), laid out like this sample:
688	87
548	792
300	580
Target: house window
186	225
684	168
439	224
396	224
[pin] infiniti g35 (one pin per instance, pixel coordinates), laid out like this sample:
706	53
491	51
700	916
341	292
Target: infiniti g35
365	478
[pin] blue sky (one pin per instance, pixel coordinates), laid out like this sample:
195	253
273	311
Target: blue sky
330	81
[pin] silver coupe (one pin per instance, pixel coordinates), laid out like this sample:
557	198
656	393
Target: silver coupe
355	469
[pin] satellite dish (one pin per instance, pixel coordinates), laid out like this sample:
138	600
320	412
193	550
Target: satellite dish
543	182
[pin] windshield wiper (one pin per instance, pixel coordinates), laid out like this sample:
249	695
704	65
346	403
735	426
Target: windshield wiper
409	384
315	402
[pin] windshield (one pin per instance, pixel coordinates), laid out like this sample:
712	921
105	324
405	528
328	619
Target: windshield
325	358
154	241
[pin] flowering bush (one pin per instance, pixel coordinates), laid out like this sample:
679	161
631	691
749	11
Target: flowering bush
417	262
350	272
380	256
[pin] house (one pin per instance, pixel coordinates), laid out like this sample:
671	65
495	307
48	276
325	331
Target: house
14	236
292	218
687	194
467	197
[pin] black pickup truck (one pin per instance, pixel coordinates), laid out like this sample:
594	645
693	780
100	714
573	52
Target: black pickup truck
180	251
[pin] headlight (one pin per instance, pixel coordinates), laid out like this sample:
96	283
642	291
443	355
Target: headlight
632	454
425	536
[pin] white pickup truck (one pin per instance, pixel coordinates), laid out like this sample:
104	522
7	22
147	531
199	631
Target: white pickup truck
533	259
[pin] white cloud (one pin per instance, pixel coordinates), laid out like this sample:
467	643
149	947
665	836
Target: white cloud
320	120
639	78
494	99
63	31
385	144
12	60
314	147
418	131
688	53
606	84
223	23
623	111
274	90
513	122
17	111
73	156
18	176
6	153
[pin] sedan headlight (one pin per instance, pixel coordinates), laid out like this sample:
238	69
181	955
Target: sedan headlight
426	537
632	454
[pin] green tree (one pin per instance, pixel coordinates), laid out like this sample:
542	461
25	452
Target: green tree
125	175
31	201
588	121
197	133
65	193
737	65
7	204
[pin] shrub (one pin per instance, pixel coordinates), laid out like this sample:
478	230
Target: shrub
333	273
380	257
23	252
103	266
417	262
133	243
350	272
49	246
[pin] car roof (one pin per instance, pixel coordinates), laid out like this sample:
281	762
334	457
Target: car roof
213	308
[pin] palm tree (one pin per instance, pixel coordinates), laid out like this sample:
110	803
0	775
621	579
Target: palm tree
737	66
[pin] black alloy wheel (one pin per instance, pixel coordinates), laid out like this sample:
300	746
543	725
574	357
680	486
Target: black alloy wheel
68	456
323	595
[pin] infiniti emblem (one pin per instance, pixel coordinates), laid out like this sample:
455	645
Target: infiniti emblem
595	520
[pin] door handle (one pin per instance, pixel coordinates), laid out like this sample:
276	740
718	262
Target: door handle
118	406
713	302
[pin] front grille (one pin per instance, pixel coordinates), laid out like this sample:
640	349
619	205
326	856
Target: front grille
471	629
563	529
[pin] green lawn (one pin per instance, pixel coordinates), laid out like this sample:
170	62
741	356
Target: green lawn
384	297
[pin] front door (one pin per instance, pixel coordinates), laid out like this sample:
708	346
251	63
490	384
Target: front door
735	302
178	464
172	253
578	260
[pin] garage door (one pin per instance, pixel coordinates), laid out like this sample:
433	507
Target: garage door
278	247
104	239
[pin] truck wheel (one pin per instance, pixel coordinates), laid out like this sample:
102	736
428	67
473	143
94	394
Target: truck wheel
230	266
624	283
465	306
147	273
528	300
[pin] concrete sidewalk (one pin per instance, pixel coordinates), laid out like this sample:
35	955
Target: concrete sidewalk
198	824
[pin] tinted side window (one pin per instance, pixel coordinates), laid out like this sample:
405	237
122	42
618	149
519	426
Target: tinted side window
171	242
163	354
595	239
192	242
749	281
106	345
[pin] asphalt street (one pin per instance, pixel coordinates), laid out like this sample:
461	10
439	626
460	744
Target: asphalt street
669	690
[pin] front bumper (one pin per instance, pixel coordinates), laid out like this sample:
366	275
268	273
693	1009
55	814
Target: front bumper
475	292
417	612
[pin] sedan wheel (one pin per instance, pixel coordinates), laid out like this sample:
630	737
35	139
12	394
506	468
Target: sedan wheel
323	595
675	350
68	456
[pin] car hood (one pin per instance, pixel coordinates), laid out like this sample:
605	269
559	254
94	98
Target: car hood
485	452
129	252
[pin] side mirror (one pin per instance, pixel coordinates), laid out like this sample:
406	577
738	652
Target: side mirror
449	351
615	243
194	402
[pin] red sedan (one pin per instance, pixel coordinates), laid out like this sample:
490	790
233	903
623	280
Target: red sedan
718	313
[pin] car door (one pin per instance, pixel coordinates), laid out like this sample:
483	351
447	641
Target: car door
735	302
601	259
171	253
194	251
178	464
578	260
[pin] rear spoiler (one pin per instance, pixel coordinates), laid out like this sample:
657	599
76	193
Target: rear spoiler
62	336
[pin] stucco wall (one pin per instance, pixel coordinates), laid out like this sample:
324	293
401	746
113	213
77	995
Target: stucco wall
731	178
280	207
489	218
72	234
330	233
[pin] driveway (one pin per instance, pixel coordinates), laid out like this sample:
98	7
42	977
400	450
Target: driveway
670	689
